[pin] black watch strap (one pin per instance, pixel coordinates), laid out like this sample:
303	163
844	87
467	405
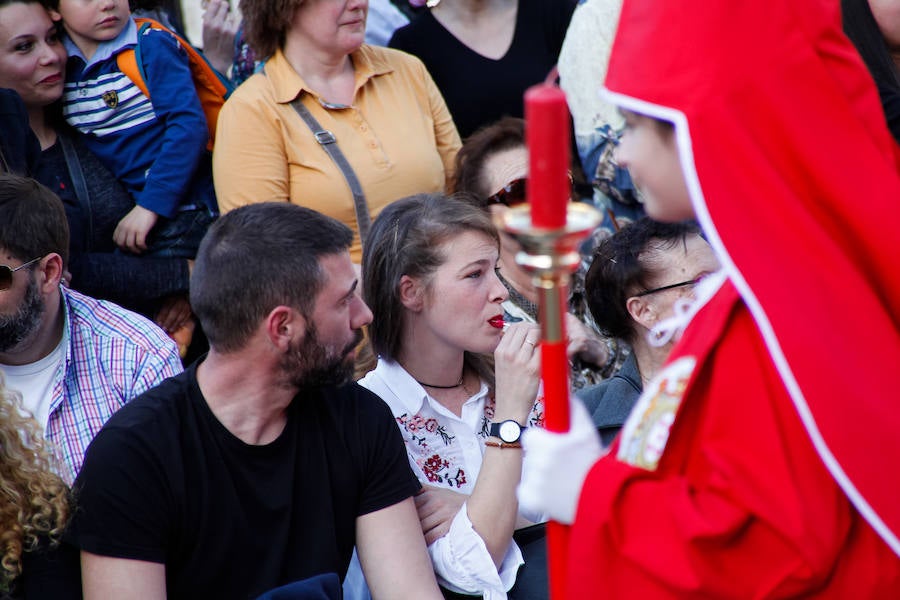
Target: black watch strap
509	431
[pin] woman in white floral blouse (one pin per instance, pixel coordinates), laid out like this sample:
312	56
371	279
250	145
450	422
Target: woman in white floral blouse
429	277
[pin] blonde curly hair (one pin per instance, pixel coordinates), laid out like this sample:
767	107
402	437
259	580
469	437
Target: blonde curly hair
34	503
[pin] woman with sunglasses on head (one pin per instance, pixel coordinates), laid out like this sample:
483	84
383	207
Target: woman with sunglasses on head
639	278
761	460
428	276
491	169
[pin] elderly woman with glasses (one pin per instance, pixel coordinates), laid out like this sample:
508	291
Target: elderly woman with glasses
491	171
637	280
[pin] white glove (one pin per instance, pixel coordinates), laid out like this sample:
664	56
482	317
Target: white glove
556	465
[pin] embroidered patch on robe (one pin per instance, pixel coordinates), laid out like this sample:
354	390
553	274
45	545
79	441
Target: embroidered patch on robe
646	432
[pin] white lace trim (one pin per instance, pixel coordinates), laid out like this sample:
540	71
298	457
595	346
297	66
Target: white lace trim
684	310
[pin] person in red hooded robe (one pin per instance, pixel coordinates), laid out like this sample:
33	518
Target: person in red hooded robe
761	461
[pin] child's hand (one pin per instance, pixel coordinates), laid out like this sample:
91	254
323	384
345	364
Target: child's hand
131	232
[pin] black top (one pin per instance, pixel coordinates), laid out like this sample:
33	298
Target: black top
480	90
164	481
19	148
48	573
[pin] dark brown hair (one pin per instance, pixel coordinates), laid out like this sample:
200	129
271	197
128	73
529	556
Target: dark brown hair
408	238
266	23
622	265
255	258
32	219
505	134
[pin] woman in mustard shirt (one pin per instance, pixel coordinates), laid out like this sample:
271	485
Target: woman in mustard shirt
381	106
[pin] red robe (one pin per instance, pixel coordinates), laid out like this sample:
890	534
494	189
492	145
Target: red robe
737	504
779	472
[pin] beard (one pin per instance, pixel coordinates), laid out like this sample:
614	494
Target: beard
17	327
309	363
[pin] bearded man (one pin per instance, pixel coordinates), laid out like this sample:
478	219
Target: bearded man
75	360
259	468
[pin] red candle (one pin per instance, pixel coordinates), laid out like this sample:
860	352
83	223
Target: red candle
547	135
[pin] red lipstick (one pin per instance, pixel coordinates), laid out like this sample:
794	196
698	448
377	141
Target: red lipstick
497	322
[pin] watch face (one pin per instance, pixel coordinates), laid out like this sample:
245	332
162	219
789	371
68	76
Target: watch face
510	431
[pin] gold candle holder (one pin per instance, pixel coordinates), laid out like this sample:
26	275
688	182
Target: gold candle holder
551	256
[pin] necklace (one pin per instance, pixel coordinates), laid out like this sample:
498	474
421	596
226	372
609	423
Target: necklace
443	387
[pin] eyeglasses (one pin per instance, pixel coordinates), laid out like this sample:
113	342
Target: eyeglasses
691	282
513	193
6	272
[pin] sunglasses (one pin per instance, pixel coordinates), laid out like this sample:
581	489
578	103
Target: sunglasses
6	273
513	193
691	282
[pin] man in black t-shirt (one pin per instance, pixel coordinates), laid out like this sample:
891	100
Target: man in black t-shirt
258	467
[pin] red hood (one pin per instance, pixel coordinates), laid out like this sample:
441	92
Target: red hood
793	175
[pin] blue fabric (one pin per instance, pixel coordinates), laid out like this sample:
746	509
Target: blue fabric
326	586
156	148
610	402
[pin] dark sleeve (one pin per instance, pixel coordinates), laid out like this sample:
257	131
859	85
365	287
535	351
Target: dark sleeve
128	280
388	478
19	147
120	496
890	101
51	572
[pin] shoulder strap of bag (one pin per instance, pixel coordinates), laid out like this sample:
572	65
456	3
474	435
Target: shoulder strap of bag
329	143
73	163
130	62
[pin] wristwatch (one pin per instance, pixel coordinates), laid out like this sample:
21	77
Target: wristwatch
509	431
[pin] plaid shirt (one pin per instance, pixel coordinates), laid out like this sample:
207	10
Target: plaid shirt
112	356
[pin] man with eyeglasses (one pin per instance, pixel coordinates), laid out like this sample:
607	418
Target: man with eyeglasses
75	360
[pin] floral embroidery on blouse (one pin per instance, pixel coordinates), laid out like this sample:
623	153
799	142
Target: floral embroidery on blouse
436	451
438	470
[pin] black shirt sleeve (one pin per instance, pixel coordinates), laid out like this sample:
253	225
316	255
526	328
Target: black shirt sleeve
387	476
121	500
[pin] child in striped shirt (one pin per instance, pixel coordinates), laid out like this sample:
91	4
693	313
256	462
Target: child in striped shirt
158	148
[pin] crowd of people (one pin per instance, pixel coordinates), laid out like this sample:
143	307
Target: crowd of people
274	343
